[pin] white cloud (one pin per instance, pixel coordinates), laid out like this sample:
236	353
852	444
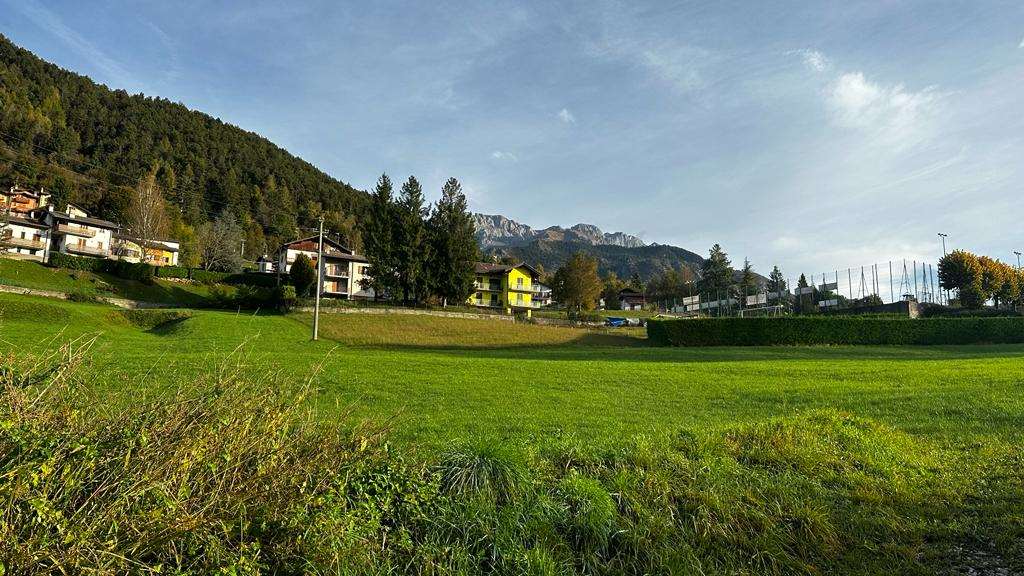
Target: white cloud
1021	45
565	116
897	116
508	156
815	60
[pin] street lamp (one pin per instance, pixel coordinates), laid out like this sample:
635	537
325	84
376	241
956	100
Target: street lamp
1017	252
943	242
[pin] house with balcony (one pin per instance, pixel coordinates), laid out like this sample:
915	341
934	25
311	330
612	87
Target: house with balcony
75	232
343	269
25	237
510	288
154	252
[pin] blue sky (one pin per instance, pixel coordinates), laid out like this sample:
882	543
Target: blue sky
815	135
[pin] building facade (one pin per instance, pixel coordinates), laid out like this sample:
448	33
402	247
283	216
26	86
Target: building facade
75	232
510	288
26	238
156	252
343	269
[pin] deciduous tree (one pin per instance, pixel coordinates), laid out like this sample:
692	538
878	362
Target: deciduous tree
147	217
576	284
961	271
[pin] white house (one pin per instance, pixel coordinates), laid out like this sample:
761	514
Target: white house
74	232
343	269
29	238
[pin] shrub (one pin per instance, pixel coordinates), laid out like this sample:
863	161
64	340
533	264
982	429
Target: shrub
82	296
302	275
69	262
286	299
833	330
172	272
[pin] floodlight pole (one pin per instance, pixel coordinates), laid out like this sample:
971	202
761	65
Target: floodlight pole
943	236
1017	252
319	266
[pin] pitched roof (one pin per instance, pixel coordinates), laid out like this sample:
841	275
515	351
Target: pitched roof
86	220
489	268
309	244
30	222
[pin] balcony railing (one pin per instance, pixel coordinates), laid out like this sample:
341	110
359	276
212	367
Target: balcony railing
487	303
524	304
76	230
336	271
87	250
26	243
487	287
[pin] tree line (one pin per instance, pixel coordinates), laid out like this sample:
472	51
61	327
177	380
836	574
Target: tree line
416	251
979	279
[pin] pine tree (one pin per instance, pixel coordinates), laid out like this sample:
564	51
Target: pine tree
717	273
411	245
454	250
379	235
748	282
776	281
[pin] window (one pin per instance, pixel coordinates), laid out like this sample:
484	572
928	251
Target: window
22	234
99	245
519	298
519	282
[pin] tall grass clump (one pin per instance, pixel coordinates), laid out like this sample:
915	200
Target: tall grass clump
214	477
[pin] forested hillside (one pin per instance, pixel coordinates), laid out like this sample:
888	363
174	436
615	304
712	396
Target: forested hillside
645	261
89	144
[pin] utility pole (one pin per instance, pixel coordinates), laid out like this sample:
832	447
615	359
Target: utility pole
319	269
1017	252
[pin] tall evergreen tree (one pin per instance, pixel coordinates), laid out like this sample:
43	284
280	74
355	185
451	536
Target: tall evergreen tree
776	281
411	242
378	240
454	250
716	273
748	282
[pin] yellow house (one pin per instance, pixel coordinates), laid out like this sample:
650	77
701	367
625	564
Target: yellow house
508	287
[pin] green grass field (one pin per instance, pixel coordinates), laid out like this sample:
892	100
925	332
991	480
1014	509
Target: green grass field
507	449
29	274
441	379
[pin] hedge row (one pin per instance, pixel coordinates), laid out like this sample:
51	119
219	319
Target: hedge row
209	277
794	330
120	268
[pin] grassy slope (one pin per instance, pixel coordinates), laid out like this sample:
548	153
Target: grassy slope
539	381
28	274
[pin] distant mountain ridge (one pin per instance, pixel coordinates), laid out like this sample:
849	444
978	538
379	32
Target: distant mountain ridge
496	231
618	252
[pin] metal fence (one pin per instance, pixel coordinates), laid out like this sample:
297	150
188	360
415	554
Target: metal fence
878	283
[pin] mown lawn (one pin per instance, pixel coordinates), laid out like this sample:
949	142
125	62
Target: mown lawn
33	275
437	380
